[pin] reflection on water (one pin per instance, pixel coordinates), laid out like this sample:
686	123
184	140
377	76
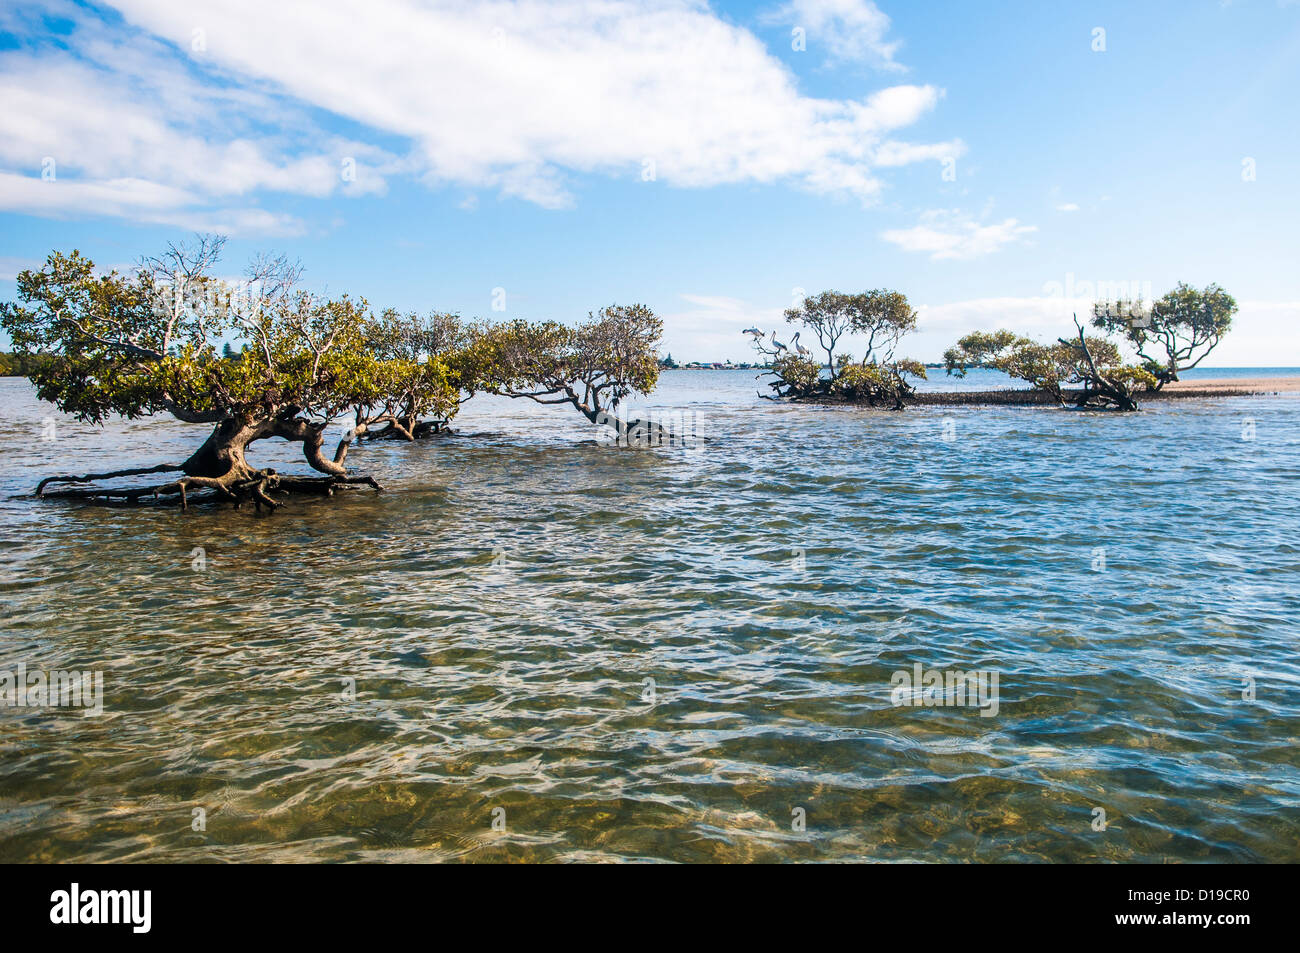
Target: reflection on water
666	654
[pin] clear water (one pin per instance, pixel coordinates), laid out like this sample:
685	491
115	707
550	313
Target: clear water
502	604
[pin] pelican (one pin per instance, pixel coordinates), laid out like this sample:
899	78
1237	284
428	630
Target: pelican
803	351
755	333
777	344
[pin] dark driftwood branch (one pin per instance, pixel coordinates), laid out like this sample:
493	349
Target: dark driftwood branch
91	477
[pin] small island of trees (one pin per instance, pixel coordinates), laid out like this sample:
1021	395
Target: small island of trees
878	378
1171	335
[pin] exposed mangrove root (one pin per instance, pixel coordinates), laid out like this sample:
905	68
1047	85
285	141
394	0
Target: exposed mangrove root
91	477
255	486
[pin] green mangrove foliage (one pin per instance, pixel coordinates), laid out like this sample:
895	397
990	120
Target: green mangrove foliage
880	318
593	367
262	359
1173	334
1094	363
420	375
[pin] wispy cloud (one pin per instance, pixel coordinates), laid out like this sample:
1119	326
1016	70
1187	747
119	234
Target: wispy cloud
893	153
1045	315
847	30
138	200
11	265
950	234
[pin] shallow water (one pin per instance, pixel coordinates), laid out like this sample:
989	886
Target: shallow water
504	602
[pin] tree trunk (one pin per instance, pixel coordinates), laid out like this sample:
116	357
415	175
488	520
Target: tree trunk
220	466
222	455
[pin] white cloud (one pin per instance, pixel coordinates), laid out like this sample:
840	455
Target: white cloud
1067	207
949	234
518	96
894	153
27	193
849	30
721	303
127	132
136	199
96	125
515	96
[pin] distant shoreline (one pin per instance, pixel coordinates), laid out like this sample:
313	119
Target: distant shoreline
1209	387
716	366
1260	381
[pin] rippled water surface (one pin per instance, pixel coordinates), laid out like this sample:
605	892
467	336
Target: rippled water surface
664	655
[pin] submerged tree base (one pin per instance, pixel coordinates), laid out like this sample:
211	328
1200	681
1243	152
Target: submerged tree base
417	430
893	402
259	487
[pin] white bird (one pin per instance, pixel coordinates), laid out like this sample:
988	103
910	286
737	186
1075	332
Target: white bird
777	344
755	334
803	351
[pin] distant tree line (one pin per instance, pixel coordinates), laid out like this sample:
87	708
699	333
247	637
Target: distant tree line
20	365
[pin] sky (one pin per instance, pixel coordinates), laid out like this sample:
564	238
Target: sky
1002	164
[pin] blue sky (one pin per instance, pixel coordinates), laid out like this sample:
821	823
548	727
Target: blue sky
999	163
